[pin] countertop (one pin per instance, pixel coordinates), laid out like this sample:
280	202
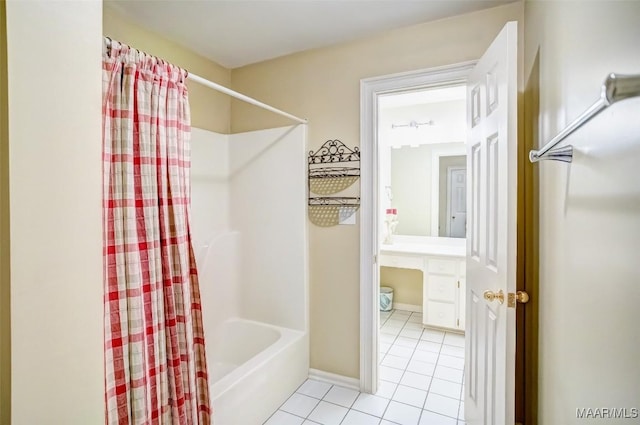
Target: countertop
417	245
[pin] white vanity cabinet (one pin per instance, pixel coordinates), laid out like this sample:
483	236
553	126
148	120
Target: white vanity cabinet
444	276
443	292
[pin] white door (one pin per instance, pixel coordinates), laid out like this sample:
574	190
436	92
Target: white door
457	202
491	236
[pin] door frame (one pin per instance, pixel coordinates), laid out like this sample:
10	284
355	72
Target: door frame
370	90
450	169
436	154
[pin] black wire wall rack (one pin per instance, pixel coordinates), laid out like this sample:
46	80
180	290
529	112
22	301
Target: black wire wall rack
333	168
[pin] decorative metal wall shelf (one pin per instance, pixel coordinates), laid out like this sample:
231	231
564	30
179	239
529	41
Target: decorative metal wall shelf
332	168
330	180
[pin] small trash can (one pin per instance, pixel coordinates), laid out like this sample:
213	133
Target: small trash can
386	298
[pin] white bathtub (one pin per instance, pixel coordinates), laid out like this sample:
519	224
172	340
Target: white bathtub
253	368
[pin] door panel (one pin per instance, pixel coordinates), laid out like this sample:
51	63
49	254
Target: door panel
491	242
472	359
462	309
492	201
474	239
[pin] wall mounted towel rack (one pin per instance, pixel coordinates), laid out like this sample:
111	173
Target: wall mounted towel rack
616	87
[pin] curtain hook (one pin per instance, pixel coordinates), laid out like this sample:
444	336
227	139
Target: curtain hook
108	43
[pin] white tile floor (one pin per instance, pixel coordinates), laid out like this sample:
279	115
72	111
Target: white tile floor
421	383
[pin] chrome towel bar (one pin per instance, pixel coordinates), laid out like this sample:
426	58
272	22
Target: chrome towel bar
616	87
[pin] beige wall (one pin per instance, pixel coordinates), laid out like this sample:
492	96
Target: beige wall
324	86
54	79
406	284
589	210
5	277
210	110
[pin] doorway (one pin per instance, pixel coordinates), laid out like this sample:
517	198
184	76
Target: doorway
372	227
422	174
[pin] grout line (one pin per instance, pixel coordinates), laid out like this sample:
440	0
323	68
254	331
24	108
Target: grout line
313	397
394	391
294	392
402	376
381	417
319	399
283	411
430	383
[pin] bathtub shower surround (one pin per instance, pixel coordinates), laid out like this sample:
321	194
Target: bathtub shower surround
249	191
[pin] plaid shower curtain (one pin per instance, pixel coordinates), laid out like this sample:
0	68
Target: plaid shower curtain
155	369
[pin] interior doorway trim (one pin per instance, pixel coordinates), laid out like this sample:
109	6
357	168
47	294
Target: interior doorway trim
370	90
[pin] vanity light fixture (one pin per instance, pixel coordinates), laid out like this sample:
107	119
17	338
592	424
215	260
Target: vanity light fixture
412	124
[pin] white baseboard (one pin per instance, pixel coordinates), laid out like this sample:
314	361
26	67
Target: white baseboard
408	307
332	378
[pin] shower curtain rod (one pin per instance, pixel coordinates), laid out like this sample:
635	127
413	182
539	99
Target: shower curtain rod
235	94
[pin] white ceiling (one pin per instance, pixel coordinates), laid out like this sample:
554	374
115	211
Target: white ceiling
235	33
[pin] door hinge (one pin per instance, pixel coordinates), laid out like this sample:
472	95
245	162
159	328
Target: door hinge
458	322
375	259
458	284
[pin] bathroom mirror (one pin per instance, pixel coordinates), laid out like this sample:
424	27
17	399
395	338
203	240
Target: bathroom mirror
423	161
428	189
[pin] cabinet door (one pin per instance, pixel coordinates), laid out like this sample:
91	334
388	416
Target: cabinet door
442	288
440	314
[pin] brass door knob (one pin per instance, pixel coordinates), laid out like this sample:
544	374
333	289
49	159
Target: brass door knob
492	296
522	297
